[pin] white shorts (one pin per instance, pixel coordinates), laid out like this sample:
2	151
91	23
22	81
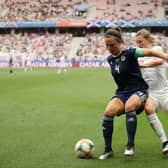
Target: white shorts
161	98
62	65
28	63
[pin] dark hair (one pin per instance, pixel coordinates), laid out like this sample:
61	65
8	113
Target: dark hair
115	32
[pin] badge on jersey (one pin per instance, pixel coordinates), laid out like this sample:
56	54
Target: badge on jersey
123	58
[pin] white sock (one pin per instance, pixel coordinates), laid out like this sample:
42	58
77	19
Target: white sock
59	71
157	127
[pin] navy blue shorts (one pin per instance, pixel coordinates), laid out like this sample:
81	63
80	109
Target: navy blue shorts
125	96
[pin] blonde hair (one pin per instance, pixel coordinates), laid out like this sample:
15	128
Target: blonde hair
147	35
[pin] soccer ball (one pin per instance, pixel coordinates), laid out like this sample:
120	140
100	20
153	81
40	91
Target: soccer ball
84	148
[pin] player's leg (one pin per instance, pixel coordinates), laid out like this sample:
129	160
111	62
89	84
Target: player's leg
114	107
65	70
30	67
150	108
133	104
59	71
64	67
60	67
25	67
163	100
10	69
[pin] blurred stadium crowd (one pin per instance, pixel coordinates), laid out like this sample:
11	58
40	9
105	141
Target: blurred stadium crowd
44	45
36	45
44	10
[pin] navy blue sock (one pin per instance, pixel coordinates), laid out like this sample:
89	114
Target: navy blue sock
131	125
107	127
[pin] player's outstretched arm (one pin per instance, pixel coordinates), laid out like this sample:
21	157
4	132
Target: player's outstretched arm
152	63
140	52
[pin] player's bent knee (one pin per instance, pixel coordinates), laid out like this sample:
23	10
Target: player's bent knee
110	113
129	107
149	110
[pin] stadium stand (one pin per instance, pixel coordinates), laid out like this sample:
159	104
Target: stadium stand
94	48
45	10
79	42
41	46
42	10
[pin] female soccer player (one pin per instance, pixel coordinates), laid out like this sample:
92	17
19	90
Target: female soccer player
131	92
28	63
11	65
155	75
62	65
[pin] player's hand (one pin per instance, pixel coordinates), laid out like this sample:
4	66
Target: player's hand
141	63
167	57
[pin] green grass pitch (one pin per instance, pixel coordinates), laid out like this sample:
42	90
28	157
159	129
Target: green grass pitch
43	115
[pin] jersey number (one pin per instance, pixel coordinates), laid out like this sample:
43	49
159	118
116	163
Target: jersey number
117	68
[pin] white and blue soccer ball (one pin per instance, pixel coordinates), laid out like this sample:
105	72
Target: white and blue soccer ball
84	148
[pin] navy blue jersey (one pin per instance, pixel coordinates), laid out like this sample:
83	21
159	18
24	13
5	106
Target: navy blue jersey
126	72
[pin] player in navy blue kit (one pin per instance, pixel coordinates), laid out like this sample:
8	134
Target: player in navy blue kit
11	65
131	90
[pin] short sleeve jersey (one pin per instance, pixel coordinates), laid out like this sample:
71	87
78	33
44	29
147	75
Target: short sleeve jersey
154	76
126	72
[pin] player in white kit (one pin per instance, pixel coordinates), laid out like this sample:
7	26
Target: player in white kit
28	63
154	73
62	65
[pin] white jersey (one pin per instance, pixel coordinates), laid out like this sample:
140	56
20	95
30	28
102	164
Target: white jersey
154	76
62	59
